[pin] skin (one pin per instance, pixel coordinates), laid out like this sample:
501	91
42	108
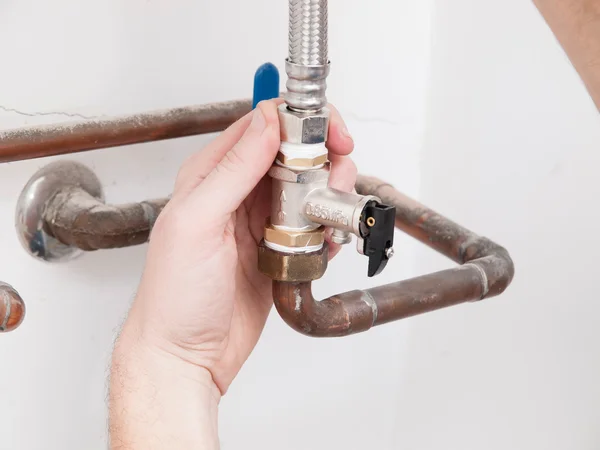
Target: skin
202	304
576	25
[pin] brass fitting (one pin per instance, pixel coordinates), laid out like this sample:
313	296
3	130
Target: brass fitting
305	163
292	267
296	239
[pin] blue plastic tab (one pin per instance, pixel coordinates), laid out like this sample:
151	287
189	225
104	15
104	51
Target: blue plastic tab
266	84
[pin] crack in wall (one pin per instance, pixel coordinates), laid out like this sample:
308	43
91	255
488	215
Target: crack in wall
49	113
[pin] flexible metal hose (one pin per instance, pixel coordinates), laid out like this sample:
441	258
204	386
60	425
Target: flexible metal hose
308	64
308	32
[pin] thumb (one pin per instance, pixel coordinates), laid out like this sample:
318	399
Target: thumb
241	168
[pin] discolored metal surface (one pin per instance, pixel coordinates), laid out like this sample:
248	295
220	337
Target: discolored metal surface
31	222
486	271
71	137
12	308
288	267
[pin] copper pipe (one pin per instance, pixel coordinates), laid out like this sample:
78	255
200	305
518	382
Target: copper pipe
71	137
487	271
77	219
12	308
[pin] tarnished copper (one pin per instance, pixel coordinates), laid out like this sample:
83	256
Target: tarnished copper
71	137
12	308
76	218
486	271
292	267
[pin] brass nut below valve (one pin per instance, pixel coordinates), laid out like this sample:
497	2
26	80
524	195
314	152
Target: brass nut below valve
295	238
292	267
301	162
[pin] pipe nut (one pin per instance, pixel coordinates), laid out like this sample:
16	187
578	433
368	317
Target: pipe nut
292	267
294	238
307	163
303	128
318	176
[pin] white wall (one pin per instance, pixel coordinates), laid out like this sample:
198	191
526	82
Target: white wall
511	150
494	130
113	56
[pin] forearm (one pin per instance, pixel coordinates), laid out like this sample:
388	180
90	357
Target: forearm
157	402
576	24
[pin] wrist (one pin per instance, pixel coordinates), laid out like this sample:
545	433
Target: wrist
156	397
133	347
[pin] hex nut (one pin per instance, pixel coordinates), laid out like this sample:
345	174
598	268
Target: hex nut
295	238
292	267
302	128
281	173
302	162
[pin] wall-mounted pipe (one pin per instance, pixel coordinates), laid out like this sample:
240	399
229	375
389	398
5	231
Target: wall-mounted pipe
75	215
77	219
486	271
71	137
12	308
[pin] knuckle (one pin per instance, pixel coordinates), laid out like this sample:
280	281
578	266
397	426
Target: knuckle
231	162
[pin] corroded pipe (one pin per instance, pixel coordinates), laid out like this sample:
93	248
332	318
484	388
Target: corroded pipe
486	271
78	219
12	308
71	137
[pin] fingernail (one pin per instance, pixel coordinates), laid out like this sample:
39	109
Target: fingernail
346	133
258	123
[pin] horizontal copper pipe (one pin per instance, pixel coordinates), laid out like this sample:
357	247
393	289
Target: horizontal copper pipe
486	271
77	219
71	137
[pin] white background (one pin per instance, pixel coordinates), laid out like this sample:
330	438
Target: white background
470	106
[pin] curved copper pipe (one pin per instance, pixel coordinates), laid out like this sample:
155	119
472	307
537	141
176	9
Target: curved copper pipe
76	218
71	137
12	308
487	271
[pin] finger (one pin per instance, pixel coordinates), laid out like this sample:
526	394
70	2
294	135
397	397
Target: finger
339	141
197	167
334	248
242	167
343	173
342	177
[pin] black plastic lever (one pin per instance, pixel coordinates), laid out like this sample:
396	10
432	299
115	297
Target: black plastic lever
377	229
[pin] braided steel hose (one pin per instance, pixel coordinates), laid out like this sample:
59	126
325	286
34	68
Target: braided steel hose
308	32
307	65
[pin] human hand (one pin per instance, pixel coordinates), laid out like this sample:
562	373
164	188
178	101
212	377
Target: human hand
202	299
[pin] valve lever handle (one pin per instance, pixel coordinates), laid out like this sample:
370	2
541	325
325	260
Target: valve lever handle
377	226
